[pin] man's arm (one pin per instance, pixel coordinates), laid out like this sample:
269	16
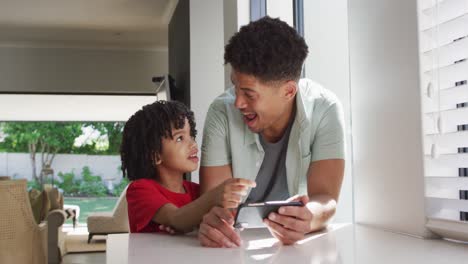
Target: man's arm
216	228
210	177
324	180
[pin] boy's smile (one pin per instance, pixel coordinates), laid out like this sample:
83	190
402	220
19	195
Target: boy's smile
193	156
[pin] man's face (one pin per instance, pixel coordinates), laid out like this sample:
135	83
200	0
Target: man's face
262	105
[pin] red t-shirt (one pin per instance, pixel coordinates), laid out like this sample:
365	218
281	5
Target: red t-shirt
146	196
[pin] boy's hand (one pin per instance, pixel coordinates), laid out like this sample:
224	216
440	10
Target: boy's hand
168	229
229	193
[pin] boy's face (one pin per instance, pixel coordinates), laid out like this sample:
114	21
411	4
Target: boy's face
178	154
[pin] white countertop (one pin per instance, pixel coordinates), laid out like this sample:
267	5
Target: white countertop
341	244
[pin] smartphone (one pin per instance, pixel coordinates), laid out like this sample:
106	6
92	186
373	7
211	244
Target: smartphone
251	215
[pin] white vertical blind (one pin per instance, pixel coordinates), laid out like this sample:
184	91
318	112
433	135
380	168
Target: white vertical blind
443	39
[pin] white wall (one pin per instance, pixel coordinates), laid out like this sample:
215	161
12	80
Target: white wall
206	59
243	12
18	165
326	34
45	107
236	15
388	156
230	9
281	9
30	69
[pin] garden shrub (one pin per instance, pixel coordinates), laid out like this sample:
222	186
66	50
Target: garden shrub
91	185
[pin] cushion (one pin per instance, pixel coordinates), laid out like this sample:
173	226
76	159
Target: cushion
55	198
39	204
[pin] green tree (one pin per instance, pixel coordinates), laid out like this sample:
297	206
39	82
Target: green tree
46	138
113	131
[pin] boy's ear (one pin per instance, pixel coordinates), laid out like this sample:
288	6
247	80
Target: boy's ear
158	159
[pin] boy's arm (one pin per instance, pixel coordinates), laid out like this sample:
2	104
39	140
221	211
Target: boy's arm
184	219
227	194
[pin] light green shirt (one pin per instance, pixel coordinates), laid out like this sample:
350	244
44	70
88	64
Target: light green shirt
316	134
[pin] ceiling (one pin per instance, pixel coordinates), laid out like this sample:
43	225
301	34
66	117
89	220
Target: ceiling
86	23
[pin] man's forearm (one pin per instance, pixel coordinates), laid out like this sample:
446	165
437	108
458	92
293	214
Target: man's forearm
322	207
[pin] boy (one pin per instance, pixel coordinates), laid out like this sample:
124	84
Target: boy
158	147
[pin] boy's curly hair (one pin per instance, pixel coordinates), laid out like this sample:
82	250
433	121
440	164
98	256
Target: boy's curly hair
143	134
268	49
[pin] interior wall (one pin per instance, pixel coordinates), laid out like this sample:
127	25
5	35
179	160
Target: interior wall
73	70
386	110
281	9
326	34
179	51
206	59
236	15
65	107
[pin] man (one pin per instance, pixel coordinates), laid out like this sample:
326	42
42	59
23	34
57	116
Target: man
286	134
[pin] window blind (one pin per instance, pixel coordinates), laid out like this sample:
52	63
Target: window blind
443	37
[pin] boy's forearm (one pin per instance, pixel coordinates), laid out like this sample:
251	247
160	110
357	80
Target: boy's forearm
185	218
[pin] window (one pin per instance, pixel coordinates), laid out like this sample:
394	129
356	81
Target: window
85	163
443	26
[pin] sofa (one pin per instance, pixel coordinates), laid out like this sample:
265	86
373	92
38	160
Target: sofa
104	223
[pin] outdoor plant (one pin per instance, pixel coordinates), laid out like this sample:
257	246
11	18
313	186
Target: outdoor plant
118	189
88	186
69	184
33	185
91	185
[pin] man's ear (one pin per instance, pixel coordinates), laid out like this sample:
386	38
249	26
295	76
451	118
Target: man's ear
290	89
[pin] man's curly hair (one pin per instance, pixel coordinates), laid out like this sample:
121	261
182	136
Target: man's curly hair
268	49
143	134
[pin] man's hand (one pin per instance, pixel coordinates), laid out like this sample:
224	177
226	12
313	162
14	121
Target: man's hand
291	223
216	229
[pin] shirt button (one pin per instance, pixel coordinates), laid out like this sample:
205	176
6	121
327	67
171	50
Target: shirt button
258	164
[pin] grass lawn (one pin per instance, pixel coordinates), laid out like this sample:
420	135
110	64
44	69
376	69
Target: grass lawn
91	204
